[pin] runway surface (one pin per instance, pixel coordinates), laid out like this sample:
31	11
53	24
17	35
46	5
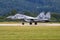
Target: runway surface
27	24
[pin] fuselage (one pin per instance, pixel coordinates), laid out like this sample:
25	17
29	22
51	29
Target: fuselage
40	17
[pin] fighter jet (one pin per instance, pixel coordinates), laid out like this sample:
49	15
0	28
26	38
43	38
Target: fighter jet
42	17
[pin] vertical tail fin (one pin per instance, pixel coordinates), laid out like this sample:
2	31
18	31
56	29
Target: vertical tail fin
47	16
41	15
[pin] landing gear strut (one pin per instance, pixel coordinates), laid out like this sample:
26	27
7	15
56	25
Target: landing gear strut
23	23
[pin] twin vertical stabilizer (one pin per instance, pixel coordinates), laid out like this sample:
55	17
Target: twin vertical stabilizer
47	16
43	16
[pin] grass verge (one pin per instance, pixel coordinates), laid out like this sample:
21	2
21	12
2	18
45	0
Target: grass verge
30	33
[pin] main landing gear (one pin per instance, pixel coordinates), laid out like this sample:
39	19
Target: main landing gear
35	23
23	23
30	23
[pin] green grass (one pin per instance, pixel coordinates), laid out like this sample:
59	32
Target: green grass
29	33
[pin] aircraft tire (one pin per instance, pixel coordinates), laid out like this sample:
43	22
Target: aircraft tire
30	23
23	23
35	23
